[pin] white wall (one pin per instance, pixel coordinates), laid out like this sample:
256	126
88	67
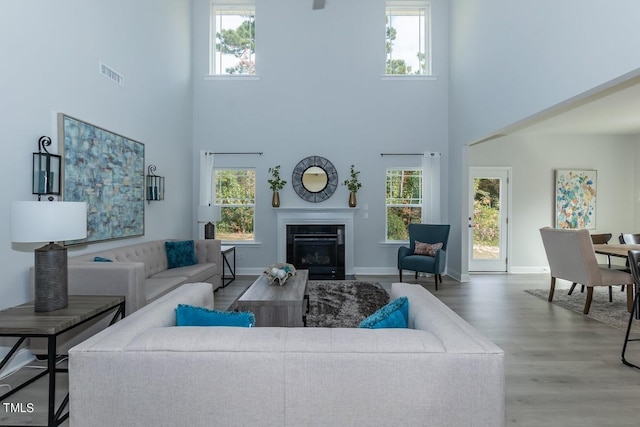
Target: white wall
50	54
636	193
320	93
534	159
317	95
510	60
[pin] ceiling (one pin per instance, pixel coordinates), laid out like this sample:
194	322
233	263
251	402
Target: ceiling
612	109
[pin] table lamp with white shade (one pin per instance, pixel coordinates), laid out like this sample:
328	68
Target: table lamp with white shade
35	222
208	214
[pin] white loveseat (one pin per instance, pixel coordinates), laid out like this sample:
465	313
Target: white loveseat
145	371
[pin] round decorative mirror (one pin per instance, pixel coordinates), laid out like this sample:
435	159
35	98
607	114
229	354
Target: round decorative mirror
314	179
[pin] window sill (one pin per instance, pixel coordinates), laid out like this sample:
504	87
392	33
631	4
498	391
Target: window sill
240	243
405	77
232	77
394	243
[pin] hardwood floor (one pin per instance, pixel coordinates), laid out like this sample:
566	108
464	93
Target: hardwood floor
562	369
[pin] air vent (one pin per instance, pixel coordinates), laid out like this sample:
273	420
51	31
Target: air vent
111	74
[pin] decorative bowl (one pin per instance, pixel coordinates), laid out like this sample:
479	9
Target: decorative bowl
279	272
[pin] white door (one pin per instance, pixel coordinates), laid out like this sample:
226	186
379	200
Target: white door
488	219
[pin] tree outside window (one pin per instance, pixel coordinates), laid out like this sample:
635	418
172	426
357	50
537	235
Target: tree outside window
403	202
486	214
235	191
234	41
407	38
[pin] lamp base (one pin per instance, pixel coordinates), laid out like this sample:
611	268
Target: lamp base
50	278
209	230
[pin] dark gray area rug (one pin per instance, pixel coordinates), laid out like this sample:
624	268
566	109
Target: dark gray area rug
611	313
343	304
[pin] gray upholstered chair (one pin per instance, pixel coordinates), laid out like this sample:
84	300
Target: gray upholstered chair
571	257
603	239
425	233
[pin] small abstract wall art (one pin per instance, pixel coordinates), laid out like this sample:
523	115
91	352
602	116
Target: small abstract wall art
106	170
576	199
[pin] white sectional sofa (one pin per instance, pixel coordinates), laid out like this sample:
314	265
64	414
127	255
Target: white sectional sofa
145	371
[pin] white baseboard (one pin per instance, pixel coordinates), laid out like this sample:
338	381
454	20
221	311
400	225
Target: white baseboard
371	271
529	270
392	271
21	358
365	271
456	275
376	271
249	271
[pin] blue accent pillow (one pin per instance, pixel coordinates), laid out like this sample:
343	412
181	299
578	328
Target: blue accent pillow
101	259
189	315
393	315
180	254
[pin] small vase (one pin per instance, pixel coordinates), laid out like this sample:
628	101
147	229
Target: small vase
275	200
352	199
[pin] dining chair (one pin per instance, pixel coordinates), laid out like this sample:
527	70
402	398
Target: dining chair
603	239
571	257
629	239
634	266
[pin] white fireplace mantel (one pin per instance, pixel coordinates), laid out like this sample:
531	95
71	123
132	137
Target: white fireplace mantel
299	215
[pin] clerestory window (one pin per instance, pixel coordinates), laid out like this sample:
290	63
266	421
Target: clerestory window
408	38
233	39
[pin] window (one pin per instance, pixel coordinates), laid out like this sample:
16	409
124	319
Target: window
233	40
408	38
403	201
235	192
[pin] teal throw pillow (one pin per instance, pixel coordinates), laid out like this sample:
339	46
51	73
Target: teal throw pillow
393	315
180	254
101	259
189	315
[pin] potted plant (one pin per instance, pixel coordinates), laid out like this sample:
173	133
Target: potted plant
276	184
353	184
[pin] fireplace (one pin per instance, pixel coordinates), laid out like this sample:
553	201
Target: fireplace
319	248
314	216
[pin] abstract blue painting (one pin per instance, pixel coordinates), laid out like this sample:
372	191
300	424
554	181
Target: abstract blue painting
106	170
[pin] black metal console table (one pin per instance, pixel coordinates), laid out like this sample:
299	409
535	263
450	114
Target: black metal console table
228	269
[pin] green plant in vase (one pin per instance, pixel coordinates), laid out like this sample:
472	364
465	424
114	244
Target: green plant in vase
353	184
276	184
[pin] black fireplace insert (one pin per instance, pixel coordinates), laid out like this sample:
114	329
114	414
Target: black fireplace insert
318	248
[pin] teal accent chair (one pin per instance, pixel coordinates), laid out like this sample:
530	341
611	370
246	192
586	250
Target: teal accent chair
425	233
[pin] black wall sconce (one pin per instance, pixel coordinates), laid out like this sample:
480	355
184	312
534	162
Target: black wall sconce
46	170
155	185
